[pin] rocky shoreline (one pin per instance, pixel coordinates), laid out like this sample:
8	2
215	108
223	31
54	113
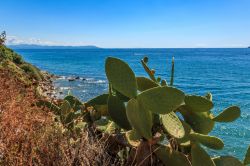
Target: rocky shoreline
46	88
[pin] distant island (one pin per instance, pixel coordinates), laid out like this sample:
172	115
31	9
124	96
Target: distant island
34	46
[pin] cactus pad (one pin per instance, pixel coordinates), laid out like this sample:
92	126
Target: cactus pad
185	141
200	156
209	96
74	102
228	115
117	112
121	76
208	141
247	157
65	108
139	118
161	100
144	83
173	125
200	122
98	100
198	103
170	157
227	161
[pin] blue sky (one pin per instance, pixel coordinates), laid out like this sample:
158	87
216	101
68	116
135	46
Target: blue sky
128	23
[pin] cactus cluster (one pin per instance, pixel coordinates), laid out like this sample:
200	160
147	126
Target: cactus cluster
68	113
154	118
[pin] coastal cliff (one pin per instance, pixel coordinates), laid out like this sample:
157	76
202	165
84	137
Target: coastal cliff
30	135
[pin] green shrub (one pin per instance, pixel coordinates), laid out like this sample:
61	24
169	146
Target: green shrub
9	54
32	71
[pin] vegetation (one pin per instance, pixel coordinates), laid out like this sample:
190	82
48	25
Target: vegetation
139	121
9	60
146	121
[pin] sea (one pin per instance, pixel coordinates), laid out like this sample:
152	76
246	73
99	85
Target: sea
225	72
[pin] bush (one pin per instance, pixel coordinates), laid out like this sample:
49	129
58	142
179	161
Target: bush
32	71
9	54
17	59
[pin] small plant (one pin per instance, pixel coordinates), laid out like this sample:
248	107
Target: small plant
67	113
2	37
153	122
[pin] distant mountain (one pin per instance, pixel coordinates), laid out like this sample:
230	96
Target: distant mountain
33	46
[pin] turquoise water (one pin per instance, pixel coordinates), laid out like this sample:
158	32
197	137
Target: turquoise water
223	72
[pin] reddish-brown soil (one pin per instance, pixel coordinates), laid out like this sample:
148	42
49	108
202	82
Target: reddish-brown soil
20	120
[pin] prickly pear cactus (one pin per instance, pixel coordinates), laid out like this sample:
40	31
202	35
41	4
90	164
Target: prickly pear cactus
121	77
161	100
200	156
139	118
200	122
150	121
117	112
198	103
170	157
144	83
247	157
227	161
208	141
173	125
228	115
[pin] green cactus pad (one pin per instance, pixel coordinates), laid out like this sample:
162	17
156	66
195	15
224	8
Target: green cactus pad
121	96
228	115
185	141
121	76
198	103
99	100
247	157
117	112
95	115
200	122
70	117
49	105
65	108
200	156
170	157
227	161
173	125
161	100
164	83
147	69
74	102
208	141
144	83
209	96
133	137
103	109
139	118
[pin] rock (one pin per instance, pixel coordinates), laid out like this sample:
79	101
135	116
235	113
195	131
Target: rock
71	79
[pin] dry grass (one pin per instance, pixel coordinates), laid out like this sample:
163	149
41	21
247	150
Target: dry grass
29	135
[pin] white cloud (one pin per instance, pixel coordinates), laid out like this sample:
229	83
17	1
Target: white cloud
15	40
